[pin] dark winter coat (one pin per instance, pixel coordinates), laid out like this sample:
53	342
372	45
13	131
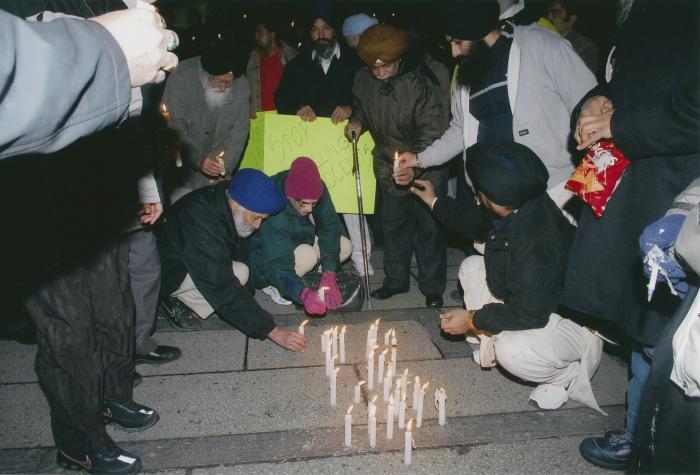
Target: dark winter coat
200	239
655	90
272	247
525	259
405	113
303	83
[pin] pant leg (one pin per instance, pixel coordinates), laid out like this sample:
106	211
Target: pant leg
144	271
640	366
399	224
472	276
352	222
188	293
431	251
306	258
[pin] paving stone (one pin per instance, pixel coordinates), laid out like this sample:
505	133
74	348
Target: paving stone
558	455
202	352
24	417
17	362
413	343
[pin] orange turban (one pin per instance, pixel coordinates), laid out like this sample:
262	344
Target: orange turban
382	42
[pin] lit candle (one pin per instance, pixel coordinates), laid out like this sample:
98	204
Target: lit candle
358	387
324	341
397	395
408	443
220	161
334	382
387	383
369	343
372	422
322	293
334	341
419	411
440	399
387	335
393	350
396	161
370	369
164	112
329	361
380	366
416	391
390	420
301	327
348	427
402	413
404	383
342	345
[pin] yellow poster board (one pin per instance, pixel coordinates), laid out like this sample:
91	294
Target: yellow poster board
276	140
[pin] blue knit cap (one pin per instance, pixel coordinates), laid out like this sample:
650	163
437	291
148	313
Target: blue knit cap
256	192
357	24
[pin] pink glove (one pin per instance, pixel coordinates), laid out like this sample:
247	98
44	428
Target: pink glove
312	302
332	296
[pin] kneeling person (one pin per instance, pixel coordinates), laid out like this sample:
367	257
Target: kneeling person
202	257
512	291
292	243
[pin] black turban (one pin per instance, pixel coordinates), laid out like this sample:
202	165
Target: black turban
507	173
471	20
222	58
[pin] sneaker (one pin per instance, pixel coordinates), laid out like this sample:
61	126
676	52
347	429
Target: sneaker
117	461
179	315
548	396
275	296
359	266
472	340
612	451
476	356
130	416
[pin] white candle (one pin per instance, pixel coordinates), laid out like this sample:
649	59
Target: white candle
404	383
419	411
397	395
348	427
393	351
402	413
301	327
416	390
387	384
387	336
324	341
370	369
334	378
390	420
334	341
358	387
380	366
369	343
372	427
396	161
342	345
408	443
329	361
165	113
220	161
322	293
440	399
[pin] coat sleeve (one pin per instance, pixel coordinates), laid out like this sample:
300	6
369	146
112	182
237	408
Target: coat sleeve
211	270
430	116
535	279
358	114
278	257
61	80
462	216
234	143
666	124
452	140
287	94
328	231
174	97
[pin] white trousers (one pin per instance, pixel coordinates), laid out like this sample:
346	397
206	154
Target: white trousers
306	257
561	357
352	221
188	293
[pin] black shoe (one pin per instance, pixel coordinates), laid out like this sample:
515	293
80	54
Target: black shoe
138	379
179	315
117	461
383	293
162	354
457	295
131	416
433	300
611	451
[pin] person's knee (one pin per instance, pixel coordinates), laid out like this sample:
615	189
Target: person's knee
514	355
305	259
470	266
241	272
345	248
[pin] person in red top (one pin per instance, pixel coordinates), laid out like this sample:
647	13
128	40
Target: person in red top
266	64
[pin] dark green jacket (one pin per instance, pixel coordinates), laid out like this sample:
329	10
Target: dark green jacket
272	247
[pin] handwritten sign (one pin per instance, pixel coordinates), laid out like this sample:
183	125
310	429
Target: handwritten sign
276	140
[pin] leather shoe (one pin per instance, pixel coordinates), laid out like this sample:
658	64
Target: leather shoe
611	451
116	461
383	292
433	300
162	354
131	416
179	315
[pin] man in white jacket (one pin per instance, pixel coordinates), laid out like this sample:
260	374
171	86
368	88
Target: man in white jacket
517	83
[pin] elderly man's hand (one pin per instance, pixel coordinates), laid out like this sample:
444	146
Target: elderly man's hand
142	37
458	322
306	113
590	128
427	194
211	167
408	160
288	339
340	114
404	176
357	127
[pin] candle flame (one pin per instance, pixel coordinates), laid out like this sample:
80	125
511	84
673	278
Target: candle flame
163	107
361	383
376	322
304	323
334	358
385	351
374	399
396	155
349	409
342	330
425	386
405	372
336	371
220	154
409	425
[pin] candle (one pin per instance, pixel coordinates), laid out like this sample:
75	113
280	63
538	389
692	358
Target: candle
369	343
393	351
387	383
419	411
370	369
380	366
165	113
220	161
348	427
324	341
301	327
329	361
440	399
396	161
334	378
404	383
342	345
358	387
408	443
402	413
372	427
334	341
322	293
416	391
387	336
390	420
397	395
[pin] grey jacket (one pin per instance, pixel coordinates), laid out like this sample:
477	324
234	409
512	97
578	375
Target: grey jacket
202	131
252	72
546	80
688	241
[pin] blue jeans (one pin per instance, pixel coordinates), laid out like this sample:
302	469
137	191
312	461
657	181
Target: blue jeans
640	366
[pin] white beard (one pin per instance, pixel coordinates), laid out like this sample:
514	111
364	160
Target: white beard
216	99
242	229
623	10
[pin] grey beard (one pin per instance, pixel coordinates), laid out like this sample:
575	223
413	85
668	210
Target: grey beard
242	229
623	10
325	51
216	99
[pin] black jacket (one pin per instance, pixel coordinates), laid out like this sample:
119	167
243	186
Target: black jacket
200	239
303	83
525	258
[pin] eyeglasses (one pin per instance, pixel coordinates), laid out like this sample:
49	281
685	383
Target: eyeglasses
305	204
